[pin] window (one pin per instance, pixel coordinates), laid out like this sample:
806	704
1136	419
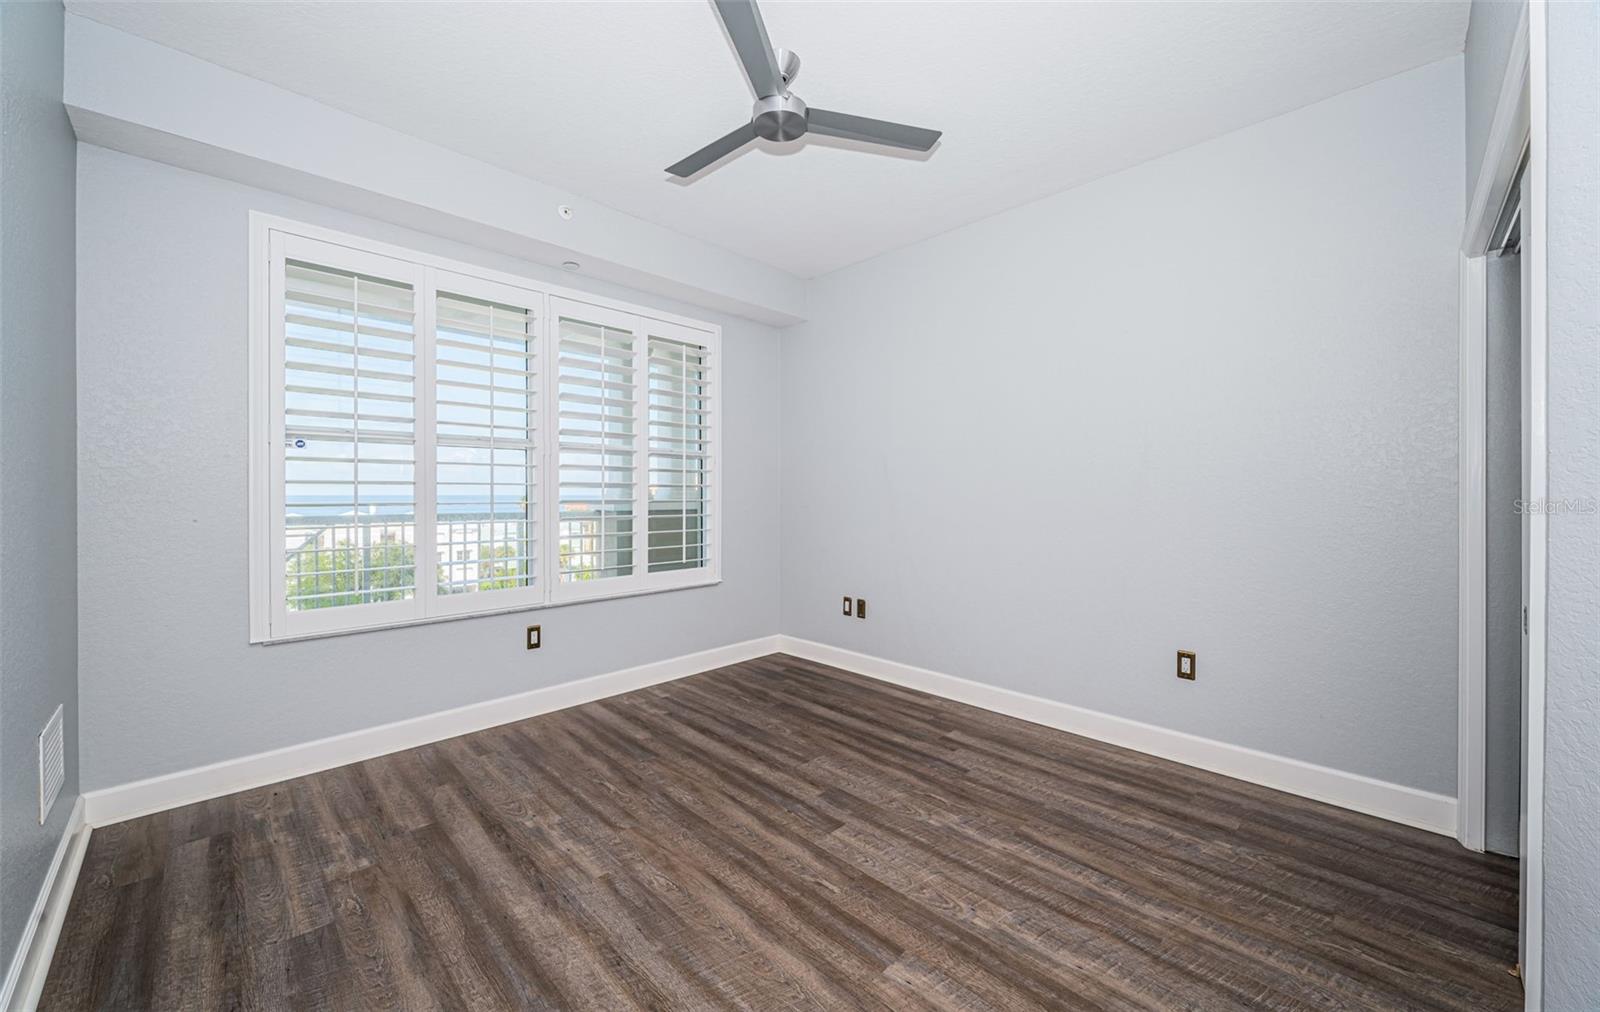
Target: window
349	467
597	404
678	446
430	440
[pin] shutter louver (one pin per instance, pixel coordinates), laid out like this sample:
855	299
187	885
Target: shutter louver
486	383
597	445
350	438
678	448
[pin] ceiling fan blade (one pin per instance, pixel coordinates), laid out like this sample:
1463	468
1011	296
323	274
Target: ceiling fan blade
715	151
873	131
742	19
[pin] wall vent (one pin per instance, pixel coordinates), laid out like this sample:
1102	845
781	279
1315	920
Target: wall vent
52	763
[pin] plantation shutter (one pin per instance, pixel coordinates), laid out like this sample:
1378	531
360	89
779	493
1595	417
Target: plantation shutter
430	440
597	418
349	416
486	390
678	403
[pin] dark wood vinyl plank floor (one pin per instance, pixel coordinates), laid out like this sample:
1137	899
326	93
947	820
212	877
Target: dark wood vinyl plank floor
779	835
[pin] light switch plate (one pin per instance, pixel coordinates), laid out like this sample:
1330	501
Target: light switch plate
533	637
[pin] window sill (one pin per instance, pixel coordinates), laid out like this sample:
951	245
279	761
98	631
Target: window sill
514	609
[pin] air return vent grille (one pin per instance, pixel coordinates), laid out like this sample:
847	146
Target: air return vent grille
52	764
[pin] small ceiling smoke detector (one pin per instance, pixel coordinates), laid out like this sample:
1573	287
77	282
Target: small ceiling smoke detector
564	211
570	265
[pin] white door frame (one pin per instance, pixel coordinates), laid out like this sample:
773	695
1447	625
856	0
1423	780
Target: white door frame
1519	120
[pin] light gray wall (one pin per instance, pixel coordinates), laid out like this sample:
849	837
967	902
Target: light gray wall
1572	701
1489	35
38	611
1205	403
169	682
1503	481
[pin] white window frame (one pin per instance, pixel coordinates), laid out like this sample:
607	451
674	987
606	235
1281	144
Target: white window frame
273	238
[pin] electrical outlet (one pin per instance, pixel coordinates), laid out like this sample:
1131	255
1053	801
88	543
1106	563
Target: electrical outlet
861	607
533	637
1186	665
849	607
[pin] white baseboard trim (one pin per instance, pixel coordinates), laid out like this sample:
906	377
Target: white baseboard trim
128	801
31	962
1395	802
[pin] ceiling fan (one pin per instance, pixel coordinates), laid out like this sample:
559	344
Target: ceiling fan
779	115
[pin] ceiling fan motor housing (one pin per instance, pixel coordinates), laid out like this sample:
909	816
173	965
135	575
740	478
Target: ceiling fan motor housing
779	118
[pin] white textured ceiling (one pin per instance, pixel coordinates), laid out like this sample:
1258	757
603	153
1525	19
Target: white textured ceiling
598	98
